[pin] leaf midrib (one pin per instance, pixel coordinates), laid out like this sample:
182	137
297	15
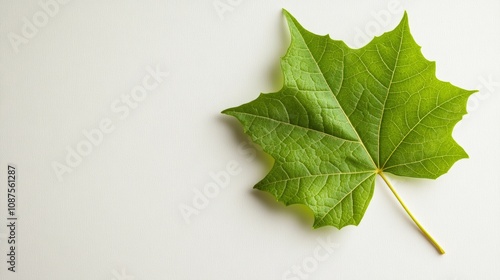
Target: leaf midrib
333	95
299	127
317	175
387	94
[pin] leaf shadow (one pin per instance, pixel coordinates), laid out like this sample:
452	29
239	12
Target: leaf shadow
274	72
235	127
298	212
301	213
240	137
275	75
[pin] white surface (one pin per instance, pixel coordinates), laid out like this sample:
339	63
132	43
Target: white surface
116	216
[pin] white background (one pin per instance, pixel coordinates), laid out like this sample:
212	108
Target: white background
116	215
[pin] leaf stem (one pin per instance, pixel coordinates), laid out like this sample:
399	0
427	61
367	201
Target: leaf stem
422	229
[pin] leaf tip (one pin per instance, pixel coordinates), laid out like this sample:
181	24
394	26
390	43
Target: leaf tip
405	16
472	91
227	111
404	20
290	19
465	155
316	225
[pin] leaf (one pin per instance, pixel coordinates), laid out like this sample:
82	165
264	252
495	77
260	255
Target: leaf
345	115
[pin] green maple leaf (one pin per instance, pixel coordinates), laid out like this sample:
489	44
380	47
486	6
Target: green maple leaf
345	115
